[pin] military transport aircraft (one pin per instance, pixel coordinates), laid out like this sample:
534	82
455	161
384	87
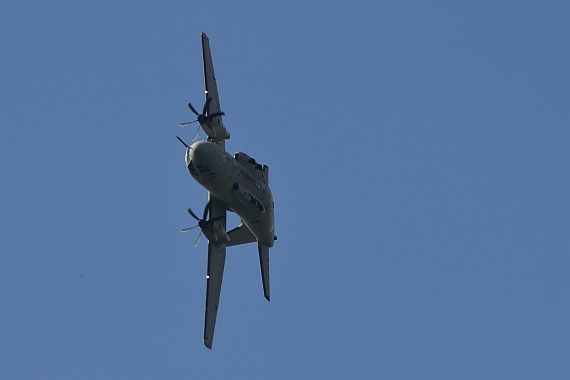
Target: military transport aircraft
235	183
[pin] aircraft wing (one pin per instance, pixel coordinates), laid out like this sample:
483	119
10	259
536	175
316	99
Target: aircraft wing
209	77
211	86
215	272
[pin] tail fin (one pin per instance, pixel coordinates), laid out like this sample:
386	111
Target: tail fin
264	263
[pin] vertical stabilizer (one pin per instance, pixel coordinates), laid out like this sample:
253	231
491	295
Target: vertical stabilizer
264	263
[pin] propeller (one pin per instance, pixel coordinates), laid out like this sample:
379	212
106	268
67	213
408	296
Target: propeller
202	223
203	118
179	139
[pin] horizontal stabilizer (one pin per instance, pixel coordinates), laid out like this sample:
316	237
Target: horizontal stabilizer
240	235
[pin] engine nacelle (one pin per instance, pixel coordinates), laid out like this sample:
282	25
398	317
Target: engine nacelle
216	234
248	199
216	130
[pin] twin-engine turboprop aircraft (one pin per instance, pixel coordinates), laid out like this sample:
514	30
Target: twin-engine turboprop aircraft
235	183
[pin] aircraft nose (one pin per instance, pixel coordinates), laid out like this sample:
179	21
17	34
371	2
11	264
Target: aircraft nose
199	151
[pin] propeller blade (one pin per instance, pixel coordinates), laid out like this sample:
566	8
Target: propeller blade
193	215
188	123
206	209
203	223
198	240
192	109
216	219
188	229
206	106
215	114
179	139
197	132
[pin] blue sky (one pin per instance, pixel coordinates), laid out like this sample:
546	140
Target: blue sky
419	160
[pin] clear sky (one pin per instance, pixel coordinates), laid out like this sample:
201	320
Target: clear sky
418	156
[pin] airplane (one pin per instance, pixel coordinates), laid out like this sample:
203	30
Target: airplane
234	183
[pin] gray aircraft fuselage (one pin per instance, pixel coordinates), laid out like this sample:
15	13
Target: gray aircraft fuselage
239	182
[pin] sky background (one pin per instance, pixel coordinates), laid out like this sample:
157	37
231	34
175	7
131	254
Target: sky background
419	161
